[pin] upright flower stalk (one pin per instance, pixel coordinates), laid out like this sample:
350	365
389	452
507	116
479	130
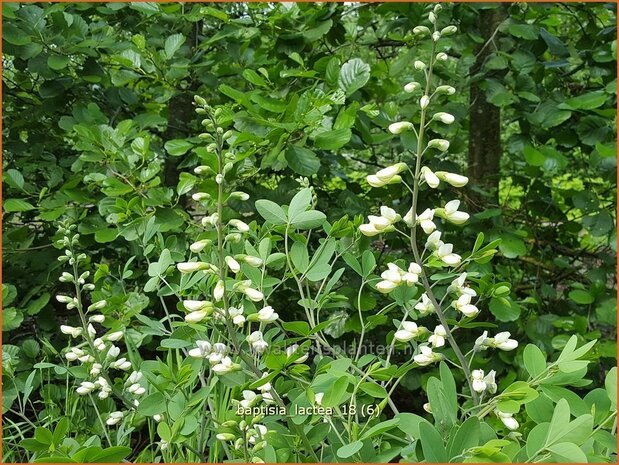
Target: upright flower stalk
436	252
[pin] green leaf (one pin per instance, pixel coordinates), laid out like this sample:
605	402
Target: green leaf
380	428
300	202
173	43
581	297
271	212
57	62
349	450
504	308
555	46
533	157
44	436
152	405
103	236
332	140
177	147
354	74
466	436
567	452
308	220
253	77
611	386
335	393
534	360
432	444
512	246
114	454
17	205
373	389
302	161
587	101
13	178
185	183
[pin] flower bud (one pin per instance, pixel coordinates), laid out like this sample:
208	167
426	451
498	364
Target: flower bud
190	267
97	318
411	87
253	261
199	100
233	265
436	36
441	56
70	330
199	196
63	299
421	31
447	90
432	17
115	336
455	180
226	437
440	144
218	292
239	196
446	31
66	278
198	246
444	117
97	305
240	225
424	102
253	294
196	317
419	65
202	169
398	128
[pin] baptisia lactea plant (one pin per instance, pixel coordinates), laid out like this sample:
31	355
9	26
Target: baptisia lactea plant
241	382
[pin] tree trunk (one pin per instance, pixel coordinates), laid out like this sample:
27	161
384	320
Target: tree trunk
485	118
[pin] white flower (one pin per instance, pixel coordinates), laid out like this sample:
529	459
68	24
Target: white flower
424	220
253	294
157	418
136	389
411	277
202	350
411	87
393	273
198	246
70	330
463	305
218	292
239	225
63	299
451	213
455	180
97	305
489	379
446	255
237	316
508	420
242	196
267	315
431	179
424	102
382	223
190	267
434	241
425	306
115	336
249	399
400	127
196	317
86	387
225	366
387	175
448	30
291	350
503	342
134	377
438	338
418	64
210	220
97	318
457	286
96	369
440	144
114	418
121	364
99	344
91	330
195	305
253	261
113	352
384	287
477	377
432	17
426	356
483	342
443	117
427	407
441	56
409	331
318	397
257	342
233	265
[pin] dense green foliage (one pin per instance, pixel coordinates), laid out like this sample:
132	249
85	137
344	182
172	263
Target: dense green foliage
100	133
